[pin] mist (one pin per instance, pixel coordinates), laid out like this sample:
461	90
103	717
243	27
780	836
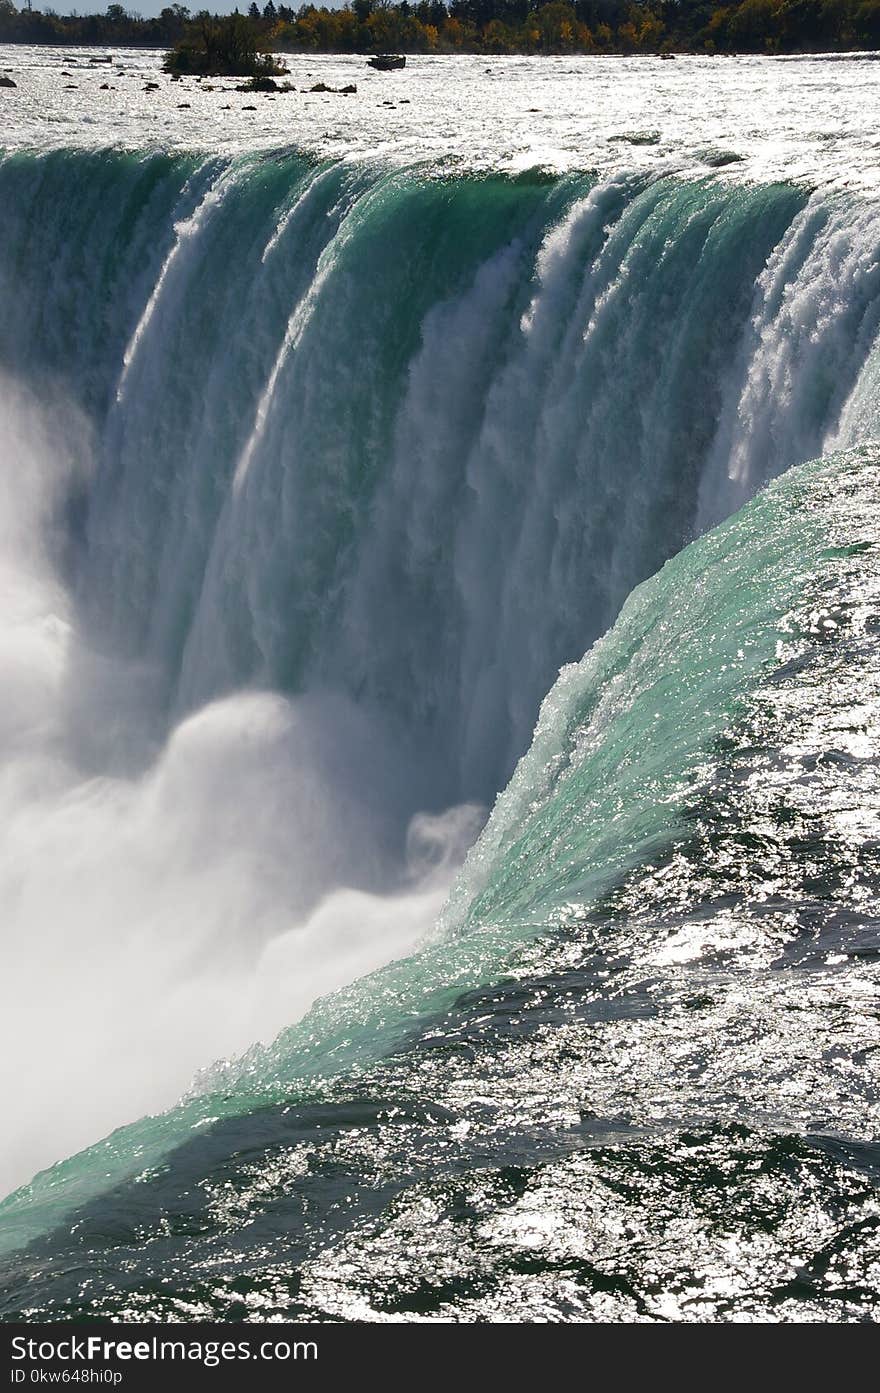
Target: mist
169	899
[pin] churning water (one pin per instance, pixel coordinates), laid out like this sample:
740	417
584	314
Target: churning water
326	441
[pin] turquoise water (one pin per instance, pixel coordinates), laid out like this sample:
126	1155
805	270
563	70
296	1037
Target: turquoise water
328	470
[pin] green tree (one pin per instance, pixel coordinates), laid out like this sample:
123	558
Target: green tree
230	46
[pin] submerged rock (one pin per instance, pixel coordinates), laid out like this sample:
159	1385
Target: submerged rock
7	82
636	138
717	159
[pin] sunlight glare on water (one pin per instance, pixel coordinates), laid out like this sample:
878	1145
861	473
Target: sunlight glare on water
811	119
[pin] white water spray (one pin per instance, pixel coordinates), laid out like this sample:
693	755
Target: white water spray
389	451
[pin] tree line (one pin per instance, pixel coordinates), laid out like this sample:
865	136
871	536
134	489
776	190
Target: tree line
483	26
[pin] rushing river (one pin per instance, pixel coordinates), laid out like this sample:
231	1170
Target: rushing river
440	670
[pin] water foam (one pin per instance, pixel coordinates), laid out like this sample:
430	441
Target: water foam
391	449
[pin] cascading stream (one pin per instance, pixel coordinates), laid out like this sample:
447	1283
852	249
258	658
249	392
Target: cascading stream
333	468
